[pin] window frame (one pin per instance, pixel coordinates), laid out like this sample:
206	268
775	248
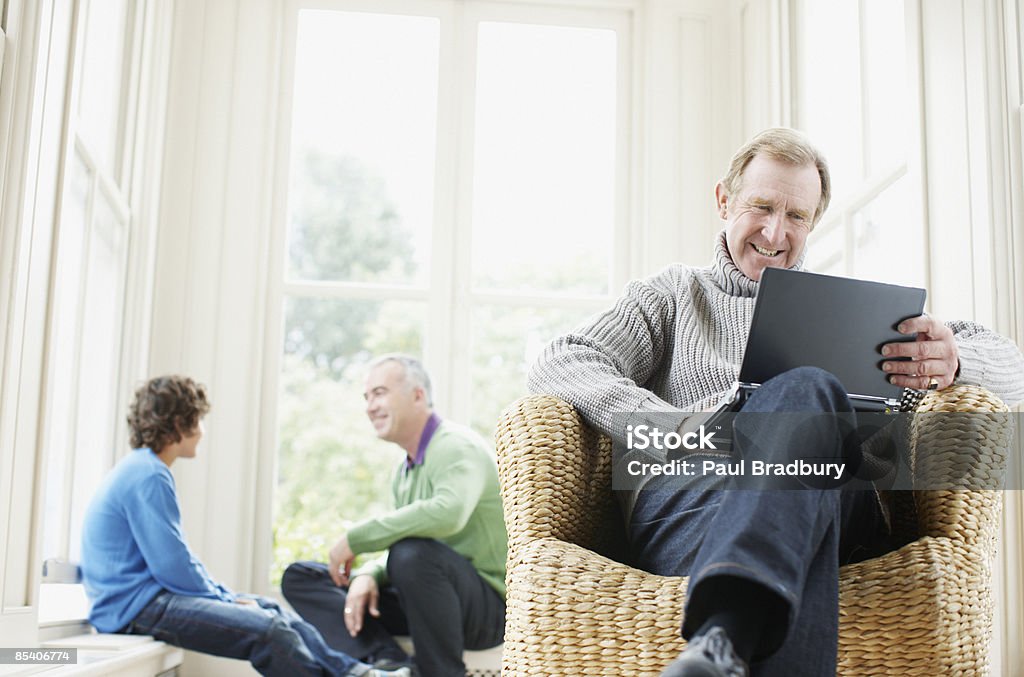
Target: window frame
113	186
449	298
449	276
37	88
842	215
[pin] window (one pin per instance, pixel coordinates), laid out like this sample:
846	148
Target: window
854	100
84	408
456	191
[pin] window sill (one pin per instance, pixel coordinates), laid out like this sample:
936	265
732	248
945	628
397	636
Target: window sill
101	655
62	604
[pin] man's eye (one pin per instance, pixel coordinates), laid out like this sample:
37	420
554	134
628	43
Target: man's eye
798	217
763	208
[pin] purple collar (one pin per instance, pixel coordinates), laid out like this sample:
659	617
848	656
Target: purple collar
429	428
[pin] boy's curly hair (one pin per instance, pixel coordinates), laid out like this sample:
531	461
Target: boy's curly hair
165	408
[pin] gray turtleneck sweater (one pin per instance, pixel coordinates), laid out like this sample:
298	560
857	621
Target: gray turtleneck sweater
673	344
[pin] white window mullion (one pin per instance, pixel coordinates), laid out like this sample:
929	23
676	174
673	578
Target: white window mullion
352	290
467	20
129	109
629	175
438	354
864	86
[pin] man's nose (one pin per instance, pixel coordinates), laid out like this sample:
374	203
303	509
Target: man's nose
775	231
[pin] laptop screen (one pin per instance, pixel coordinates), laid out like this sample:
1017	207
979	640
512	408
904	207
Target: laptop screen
836	323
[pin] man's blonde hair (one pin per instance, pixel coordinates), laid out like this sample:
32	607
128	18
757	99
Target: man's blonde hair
786	145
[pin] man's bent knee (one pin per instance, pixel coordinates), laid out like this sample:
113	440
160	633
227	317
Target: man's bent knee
410	557
812	377
300	574
809	388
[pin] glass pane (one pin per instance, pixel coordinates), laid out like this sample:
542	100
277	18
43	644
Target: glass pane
544	163
886	83
889	243
63	344
825	250
332	470
829	91
100	360
364	125
103	65
506	343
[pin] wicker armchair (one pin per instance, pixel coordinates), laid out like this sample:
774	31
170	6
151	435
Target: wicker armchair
924	609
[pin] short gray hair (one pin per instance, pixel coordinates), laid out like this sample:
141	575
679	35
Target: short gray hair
415	374
786	145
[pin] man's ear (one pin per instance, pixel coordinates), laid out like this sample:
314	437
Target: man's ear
721	201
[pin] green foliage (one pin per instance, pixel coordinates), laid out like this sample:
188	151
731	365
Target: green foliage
332	470
506	341
344	225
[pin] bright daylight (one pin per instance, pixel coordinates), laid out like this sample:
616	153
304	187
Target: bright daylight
467	338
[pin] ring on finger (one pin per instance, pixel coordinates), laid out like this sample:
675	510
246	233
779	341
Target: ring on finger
933	383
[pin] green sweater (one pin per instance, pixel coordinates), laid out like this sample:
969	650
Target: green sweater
453	498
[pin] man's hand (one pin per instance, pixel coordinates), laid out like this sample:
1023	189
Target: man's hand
363	594
341	557
933	355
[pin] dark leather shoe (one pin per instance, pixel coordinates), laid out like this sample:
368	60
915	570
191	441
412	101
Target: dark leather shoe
710	655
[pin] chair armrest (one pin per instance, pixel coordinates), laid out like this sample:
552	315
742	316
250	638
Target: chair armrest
925	609
555	475
571	612
960	438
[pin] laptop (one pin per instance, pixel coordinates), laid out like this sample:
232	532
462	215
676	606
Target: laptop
839	324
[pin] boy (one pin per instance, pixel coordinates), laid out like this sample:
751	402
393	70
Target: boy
142	578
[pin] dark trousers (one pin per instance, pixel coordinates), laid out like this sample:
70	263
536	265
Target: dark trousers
434	595
790	541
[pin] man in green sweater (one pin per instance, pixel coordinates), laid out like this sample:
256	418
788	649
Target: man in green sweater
442	580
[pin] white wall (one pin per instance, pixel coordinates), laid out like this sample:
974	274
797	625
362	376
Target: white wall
211	263
692	108
1009	245
971	162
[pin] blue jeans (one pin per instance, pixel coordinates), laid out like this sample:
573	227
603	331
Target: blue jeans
275	641
789	541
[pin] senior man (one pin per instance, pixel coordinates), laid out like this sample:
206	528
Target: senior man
442	580
763	564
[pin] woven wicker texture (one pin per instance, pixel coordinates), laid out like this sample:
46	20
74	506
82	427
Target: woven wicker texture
573	610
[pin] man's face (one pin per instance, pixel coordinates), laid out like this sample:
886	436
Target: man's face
390	402
770	216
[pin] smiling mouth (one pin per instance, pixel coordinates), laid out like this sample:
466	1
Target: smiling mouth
765	252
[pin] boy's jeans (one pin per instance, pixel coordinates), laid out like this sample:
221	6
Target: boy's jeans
275	641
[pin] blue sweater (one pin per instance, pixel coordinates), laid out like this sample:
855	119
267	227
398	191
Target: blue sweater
132	545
